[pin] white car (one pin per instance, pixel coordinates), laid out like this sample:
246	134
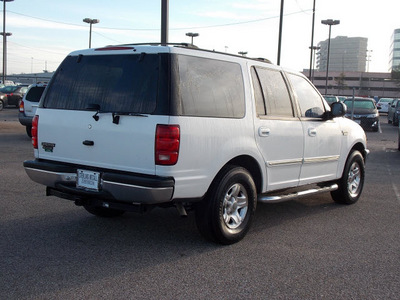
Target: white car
383	105
132	127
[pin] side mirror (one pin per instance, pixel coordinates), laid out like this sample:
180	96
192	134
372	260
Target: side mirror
338	109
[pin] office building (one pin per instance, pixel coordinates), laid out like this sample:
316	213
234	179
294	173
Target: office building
346	54
394	62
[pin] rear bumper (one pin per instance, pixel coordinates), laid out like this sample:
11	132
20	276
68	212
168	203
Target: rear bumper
114	186
25	120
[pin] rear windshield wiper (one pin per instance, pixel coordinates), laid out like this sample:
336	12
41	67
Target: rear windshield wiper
116	115
95	107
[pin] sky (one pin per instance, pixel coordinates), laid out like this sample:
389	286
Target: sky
45	31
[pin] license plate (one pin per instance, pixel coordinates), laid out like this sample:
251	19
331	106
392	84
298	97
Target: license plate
357	121
88	180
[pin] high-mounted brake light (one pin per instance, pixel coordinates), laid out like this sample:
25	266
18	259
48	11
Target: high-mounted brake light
34	131
167	144
114	48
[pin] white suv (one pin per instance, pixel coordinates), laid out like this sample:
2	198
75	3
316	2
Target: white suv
131	127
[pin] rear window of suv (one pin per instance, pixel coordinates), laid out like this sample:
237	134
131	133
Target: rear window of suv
115	83
34	93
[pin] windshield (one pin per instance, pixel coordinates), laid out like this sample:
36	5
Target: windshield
9	89
113	83
385	100
360	104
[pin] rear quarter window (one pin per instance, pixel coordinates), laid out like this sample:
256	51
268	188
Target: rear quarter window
209	88
34	93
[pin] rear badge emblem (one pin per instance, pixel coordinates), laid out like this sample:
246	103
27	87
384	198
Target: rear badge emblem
48	147
90	126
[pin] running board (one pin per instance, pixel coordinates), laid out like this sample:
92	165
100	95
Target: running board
294	195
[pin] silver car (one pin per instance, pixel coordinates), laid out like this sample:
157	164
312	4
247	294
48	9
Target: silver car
29	104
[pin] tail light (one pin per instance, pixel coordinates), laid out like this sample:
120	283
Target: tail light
34	131
167	144
22	106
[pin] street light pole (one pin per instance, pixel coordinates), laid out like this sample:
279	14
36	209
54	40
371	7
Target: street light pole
91	22
192	35
4	39
278	61
312	41
328	22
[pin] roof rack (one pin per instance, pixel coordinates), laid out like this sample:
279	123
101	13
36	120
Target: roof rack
190	46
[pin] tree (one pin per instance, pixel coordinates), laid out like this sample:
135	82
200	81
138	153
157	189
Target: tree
341	85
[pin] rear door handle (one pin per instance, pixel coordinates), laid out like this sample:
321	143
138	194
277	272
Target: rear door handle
263	131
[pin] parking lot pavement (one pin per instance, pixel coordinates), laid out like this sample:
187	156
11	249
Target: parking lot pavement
309	248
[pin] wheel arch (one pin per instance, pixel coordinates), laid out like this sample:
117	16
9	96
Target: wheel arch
361	148
250	164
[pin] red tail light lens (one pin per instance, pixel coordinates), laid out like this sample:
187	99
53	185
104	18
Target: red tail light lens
34	131
167	144
22	106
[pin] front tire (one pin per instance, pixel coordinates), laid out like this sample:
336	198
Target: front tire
352	181
226	213
1	105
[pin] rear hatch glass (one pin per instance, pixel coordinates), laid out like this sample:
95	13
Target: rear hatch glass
34	93
115	83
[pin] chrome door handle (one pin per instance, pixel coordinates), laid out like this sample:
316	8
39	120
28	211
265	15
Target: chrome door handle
263	131
312	132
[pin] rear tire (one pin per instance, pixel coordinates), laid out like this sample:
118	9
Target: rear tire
226	213
352	181
103	211
29	131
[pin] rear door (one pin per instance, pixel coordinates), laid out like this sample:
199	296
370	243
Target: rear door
101	111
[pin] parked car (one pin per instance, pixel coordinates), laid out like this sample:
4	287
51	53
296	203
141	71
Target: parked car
398	137
29	104
364	113
133	127
383	104
12	95
331	99
392	117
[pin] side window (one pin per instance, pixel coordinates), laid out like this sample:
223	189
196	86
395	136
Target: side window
274	92
311	104
210	88
260	105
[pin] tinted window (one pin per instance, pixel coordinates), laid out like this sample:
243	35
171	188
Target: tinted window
274	91
311	104
34	93
258	96
209	88
117	83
